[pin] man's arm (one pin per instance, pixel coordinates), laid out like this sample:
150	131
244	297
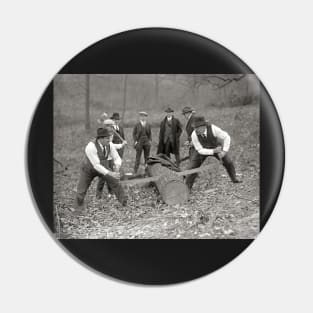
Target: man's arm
115	157
222	136
92	155
179	128
118	146
160	131
135	133
149	132
122	132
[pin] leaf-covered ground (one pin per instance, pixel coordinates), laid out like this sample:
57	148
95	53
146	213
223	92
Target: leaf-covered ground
216	208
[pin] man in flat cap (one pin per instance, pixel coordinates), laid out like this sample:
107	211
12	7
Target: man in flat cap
98	153
119	136
142	139
170	132
189	114
209	140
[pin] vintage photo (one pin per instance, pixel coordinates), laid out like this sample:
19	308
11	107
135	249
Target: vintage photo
156	156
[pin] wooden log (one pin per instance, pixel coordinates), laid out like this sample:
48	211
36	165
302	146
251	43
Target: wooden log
142	181
171	186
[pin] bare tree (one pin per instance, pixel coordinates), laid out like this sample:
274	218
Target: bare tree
124	95
87	102
156	91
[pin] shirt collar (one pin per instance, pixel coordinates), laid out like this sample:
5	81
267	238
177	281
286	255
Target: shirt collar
205	133
101	146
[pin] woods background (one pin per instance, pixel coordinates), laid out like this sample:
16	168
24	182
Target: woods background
216	208
82	98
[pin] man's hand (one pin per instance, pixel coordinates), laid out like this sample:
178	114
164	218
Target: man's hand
115	175
116	168
124	143
135	144
221	154
217	150
187	144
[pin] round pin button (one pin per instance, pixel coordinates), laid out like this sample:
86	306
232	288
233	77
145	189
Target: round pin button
155	156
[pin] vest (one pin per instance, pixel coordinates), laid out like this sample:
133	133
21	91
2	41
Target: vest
102	155
143	132
210	141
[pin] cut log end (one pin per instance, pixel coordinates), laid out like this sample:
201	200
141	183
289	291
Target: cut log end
172	188
175	192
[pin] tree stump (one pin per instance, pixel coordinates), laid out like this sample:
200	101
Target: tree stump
171	186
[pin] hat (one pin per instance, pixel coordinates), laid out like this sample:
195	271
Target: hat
187	110
108	122
103	132
169	110
143	113
199	121
115	116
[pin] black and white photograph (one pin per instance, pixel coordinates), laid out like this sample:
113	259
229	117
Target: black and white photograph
156	156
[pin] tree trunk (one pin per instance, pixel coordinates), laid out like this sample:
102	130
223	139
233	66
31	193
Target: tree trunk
124	96
171	186
156	93
87	102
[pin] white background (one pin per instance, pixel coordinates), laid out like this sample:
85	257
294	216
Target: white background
274	38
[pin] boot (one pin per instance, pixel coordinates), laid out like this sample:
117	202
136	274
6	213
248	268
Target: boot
79	207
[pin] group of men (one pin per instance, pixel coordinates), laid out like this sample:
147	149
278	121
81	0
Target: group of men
104	154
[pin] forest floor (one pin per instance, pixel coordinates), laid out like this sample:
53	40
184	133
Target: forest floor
216	208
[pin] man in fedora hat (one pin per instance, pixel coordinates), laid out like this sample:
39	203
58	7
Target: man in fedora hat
110	124
170	132
142	136
189	114
98	153
209	140
119	136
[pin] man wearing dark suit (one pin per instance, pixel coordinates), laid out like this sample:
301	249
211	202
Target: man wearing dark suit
142	139
209	140
170	132
189	115
120	131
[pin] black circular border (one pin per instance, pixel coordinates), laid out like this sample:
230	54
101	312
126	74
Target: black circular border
154	50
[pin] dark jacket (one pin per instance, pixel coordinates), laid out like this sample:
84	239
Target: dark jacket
140	132
189	127
176	131
120	131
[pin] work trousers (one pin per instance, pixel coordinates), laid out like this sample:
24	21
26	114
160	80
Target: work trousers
86	177
102	181
143	145
196	161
